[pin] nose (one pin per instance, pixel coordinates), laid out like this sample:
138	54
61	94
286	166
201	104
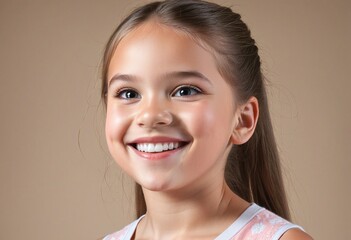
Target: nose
153	116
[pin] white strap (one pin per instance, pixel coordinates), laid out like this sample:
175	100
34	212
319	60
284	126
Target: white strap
132	227
243	219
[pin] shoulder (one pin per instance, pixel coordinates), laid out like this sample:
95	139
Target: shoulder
267	224
296	234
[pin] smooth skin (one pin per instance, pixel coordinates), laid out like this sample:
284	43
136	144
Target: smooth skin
164	86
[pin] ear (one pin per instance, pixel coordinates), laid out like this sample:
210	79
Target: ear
246	120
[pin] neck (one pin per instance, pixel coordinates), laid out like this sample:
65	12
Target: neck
175	214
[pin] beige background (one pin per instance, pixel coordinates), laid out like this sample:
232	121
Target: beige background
53	178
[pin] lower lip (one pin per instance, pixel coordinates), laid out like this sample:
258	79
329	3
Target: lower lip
156	155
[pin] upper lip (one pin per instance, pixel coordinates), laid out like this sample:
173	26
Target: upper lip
156	139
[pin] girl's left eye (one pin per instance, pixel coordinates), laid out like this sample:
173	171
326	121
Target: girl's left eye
184	91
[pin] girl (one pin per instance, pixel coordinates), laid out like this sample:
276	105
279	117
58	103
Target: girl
187	119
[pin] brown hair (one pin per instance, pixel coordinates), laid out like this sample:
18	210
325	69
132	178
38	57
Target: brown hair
253	169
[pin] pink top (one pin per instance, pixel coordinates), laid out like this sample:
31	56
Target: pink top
254	223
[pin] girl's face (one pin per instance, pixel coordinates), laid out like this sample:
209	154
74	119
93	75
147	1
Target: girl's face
170	114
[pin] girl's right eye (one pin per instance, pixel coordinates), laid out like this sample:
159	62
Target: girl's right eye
127	94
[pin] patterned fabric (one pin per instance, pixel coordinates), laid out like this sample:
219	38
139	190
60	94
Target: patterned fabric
264	226
256	223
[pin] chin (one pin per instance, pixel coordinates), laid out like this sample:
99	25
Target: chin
155	187
156	184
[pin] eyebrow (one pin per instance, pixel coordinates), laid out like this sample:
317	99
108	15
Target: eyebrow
122	77
170	75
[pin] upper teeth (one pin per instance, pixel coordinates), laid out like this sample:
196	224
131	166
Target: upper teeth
156	147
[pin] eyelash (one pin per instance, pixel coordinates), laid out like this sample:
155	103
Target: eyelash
119	93
122	91
193	88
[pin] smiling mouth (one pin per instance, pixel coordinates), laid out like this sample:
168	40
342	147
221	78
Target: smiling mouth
158	147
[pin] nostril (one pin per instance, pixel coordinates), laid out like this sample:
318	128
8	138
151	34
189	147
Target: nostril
165	118
153	119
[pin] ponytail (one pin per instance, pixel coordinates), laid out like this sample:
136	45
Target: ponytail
253	169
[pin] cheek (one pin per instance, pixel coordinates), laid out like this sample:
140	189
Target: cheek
209	127
207	120
115	128
115	124
203	121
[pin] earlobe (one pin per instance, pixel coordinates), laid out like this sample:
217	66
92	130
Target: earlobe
246	120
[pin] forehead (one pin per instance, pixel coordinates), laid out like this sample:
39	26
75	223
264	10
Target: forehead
162	46
156	30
